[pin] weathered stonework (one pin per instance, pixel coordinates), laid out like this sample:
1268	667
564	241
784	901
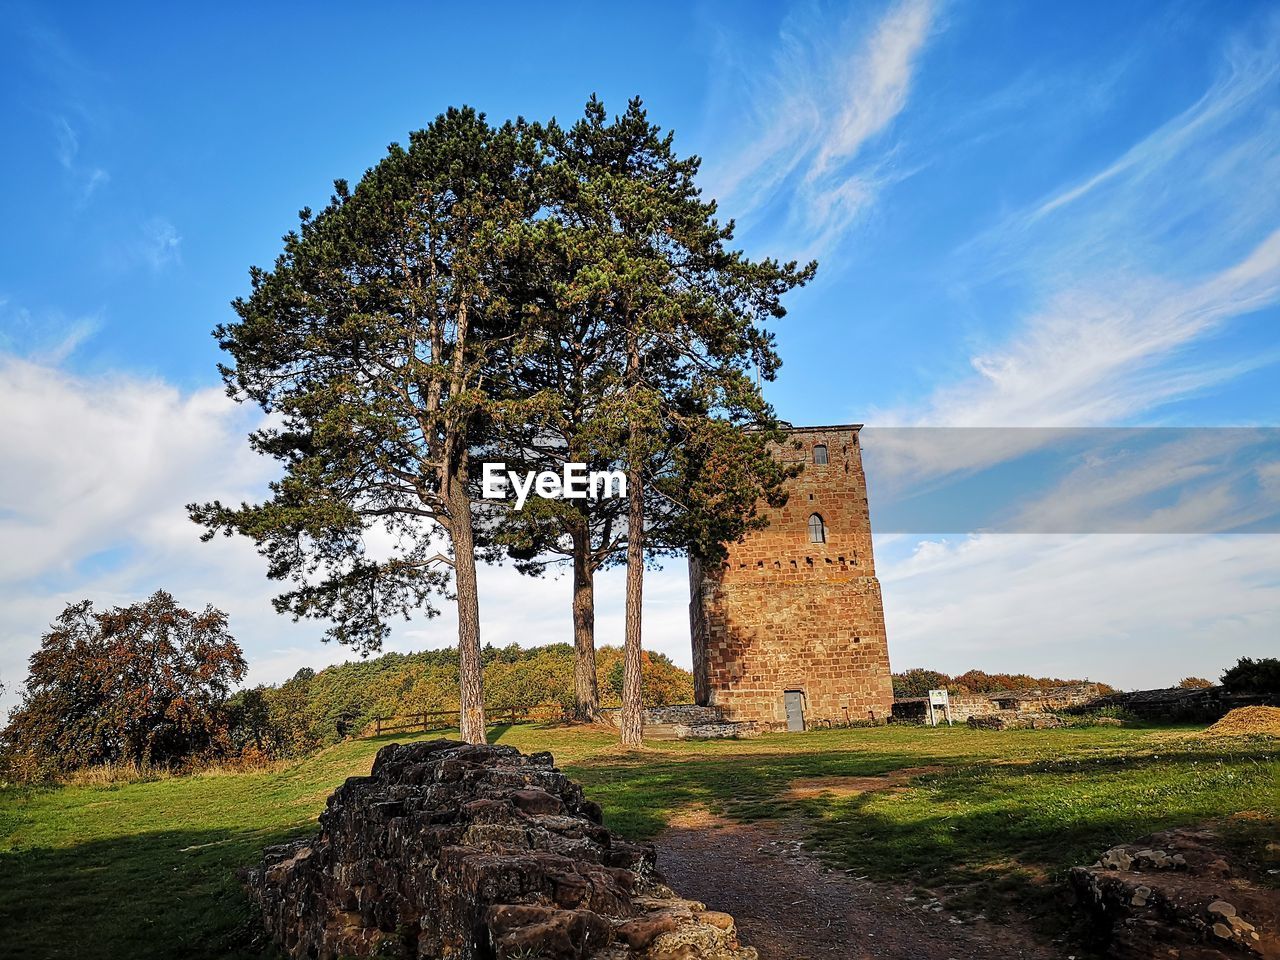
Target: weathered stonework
784	613
475	853
1006	706
687	721
1181	893
1179	705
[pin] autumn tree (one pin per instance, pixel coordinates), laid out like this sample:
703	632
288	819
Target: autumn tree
146	684
368	344
1194	683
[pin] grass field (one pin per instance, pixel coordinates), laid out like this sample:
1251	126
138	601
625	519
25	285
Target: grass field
143	870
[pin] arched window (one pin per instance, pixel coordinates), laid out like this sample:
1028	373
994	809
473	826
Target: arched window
820	455
817	529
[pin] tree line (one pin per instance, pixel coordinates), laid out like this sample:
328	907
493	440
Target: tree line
1246	675
526	293
917	682
315	709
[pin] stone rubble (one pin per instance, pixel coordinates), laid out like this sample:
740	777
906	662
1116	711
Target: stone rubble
1177	895
475	853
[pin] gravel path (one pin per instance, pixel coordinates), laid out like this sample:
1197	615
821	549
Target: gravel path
790	907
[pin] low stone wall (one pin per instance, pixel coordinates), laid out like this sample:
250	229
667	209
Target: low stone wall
1179	705
1003	704
475	853
687	721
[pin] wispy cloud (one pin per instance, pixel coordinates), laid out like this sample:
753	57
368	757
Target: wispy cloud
1104	351
47	338
1123	273
834	89
160	244
154	245
1109	287
87	178
1250	72
1214	478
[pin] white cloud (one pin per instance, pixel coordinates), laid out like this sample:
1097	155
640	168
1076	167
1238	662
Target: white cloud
97	472
1118	289
1129	272
49	338
875	84
1133	610
1118	489
88	460
1250	73
834	89
1094	354
68	143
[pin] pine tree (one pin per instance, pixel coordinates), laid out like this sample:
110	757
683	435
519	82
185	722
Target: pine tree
652	330
368	344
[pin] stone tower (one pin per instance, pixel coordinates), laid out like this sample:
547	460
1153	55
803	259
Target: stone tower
789	631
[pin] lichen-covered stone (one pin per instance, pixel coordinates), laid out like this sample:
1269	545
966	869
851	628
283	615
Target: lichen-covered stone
475	853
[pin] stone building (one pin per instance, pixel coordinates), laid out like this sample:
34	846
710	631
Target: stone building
789	631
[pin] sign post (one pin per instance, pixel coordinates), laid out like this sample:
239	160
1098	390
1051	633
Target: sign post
939	699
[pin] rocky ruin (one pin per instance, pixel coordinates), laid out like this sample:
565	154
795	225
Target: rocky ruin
688	721
1180	894
475	852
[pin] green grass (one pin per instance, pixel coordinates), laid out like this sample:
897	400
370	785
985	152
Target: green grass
148	869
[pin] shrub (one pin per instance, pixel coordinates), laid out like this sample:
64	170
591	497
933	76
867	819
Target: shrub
143	686
1253	676
918	682
1194	683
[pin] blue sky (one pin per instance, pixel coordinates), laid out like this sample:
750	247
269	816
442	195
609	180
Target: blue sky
1025	215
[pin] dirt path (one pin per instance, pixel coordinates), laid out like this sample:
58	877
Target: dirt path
790	907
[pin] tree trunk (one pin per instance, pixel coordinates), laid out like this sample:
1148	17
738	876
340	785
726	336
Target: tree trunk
470	669
632	678
586	695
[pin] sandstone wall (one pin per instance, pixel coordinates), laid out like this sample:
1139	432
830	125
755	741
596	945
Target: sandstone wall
784	613
1007	704
475	853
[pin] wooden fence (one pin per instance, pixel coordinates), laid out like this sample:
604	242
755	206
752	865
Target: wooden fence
444	719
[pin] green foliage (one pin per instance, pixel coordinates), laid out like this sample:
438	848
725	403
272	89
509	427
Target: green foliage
629	259
368	341
1253	676
314	710
917	682
145	684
